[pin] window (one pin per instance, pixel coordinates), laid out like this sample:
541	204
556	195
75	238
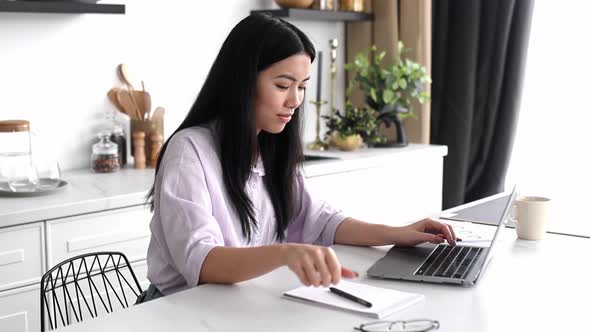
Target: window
552	144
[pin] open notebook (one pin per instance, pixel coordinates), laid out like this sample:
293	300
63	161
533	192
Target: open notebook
385	301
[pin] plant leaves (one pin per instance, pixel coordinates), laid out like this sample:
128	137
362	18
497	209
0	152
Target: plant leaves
380	57
373	94
388	96
386	87
403	84
361	61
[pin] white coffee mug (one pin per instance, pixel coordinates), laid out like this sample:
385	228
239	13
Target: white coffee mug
531	214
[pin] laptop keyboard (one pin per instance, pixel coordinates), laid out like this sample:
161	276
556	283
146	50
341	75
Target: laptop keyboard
449	262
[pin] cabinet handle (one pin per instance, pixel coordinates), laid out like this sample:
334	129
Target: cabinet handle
12	257
89	242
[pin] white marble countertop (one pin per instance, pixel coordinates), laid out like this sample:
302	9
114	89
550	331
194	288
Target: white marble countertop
89	192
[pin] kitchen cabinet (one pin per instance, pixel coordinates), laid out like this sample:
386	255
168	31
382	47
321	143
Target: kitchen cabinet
19	309
25	255
22	259
125	230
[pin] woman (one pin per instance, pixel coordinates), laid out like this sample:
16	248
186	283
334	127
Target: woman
229	201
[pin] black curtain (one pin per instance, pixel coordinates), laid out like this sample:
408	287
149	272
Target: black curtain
478	58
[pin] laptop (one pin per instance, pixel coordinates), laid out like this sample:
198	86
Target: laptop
462	264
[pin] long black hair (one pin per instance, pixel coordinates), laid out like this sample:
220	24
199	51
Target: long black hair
227	96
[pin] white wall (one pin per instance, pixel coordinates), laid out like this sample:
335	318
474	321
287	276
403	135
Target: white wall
55	69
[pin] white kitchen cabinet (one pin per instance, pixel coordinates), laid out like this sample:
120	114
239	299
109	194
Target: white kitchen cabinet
22	256
22	259
393	193
19	309
125	230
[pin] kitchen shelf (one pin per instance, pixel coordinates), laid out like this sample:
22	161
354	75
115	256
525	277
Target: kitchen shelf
60	7
317	15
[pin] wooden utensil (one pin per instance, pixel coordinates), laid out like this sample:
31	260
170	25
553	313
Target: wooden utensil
112	95
125	99
126	77
140	99
158	114
147	102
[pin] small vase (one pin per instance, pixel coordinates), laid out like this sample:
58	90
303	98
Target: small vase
401	140
389	114
346	143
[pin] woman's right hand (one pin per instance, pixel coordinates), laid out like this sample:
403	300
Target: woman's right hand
314	265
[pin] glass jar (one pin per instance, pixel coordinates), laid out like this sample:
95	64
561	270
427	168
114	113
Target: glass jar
105	154
118	137
17	172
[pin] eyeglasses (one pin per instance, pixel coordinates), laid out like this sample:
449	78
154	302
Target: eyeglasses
414	325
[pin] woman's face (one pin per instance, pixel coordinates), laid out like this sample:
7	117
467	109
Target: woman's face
279	91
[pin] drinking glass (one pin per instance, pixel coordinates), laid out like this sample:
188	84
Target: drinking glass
49	174
22	176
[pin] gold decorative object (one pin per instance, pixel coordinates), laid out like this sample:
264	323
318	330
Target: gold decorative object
352	5
333	46
317	144
346	143
294	3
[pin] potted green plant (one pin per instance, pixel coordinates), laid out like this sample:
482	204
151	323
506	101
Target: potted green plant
390	89
349	129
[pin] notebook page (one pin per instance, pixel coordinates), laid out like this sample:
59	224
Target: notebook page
385	301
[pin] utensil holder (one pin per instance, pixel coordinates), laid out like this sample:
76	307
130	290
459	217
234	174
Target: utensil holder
149	127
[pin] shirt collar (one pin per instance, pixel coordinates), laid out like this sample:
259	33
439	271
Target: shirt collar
259	167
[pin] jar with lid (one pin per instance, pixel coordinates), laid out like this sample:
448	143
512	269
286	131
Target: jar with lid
17	172
105	155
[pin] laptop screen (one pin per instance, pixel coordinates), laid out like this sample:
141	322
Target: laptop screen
501	224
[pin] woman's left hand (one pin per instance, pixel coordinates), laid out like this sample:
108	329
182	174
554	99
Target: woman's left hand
425	230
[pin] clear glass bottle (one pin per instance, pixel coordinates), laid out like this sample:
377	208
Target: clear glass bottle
17	172
105	154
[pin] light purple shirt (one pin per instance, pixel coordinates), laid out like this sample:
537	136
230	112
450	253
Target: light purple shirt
193	212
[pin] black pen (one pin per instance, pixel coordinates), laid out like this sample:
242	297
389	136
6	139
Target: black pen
350	297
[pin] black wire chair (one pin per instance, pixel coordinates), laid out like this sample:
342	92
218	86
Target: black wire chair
86	286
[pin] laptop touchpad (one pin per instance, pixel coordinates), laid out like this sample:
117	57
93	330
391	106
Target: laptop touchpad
399	262
415	254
